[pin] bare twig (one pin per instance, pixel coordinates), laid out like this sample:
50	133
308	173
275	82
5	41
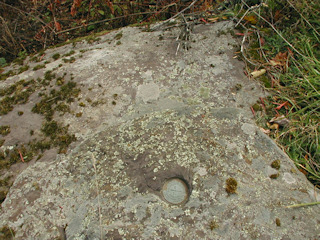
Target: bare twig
170	19
242	48
102	21
260	44
249	9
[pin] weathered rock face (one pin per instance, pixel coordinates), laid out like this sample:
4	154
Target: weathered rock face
183	117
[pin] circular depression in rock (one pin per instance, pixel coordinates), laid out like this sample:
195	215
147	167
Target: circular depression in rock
175	191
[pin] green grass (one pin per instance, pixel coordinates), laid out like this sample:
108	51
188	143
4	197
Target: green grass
291	28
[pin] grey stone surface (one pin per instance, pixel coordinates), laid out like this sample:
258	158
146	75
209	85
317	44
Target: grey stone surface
185	116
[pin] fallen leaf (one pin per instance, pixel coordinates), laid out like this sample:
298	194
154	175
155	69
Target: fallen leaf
281	59
258	73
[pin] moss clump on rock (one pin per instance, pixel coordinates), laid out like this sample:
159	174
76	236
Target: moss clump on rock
231	185
6	233
276	164
39	67
4	130
56	56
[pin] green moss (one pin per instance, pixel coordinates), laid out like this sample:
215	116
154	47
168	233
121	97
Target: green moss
69	53
92	38
49	75
118	43
114	103
14	156
265	80
48	104
56	56
231	185
118	36
58	134
276	164
62	107
4	76
278	222
4	130
20	113
39	66
213	225
18	94
257	107
23	69
79	114
1	142
50	129
6	105
238	87
63	141
34	59
274	176
81	104
40	145
70	60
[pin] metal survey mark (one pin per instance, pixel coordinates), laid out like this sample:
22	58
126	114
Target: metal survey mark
175	191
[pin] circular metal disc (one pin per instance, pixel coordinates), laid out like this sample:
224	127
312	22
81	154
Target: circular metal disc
175	191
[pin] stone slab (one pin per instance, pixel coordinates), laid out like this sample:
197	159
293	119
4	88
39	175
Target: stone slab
162	116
